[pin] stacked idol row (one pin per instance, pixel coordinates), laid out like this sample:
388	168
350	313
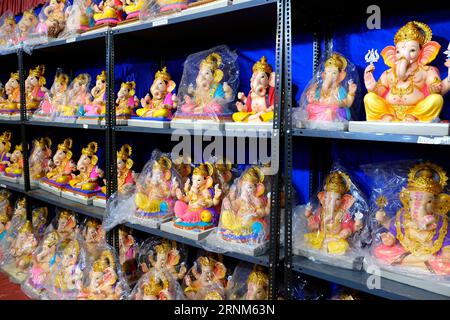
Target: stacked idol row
206	96
60	19
407	98
63	258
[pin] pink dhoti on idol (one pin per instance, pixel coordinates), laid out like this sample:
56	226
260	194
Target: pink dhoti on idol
317	112
203	219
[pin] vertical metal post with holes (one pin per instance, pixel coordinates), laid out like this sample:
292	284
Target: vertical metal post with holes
288	193
23	130
110	124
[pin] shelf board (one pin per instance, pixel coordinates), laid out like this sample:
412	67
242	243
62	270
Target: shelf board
383	137
186	16
91	211
91	35
358	280
65	125
12	186
12	122
260	260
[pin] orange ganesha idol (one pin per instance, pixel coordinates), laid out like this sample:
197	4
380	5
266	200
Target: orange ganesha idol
410	90
418	235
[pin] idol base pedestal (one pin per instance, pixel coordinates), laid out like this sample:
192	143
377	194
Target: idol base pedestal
15	275
66	120
119	122
16	117
89	120
48	187
216	241
149	123
190	234
19	180
196	124
413	128
341	261
41	118
34	293
324	125
435	285
5	116
151	223
34	184
84	199
205	5
99	202
249	126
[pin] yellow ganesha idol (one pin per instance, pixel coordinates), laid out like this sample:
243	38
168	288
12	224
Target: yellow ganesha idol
410	90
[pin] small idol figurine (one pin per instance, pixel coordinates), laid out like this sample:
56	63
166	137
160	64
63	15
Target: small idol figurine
98	92
162	101
245	211
195	207
206	273
5	146
53	18
108	12
23	247
80	16
5	213
126	100
39	221
125	176
85	185
77	97
66	225
418	235
155	190
331	224
128	252
411	90
15	167
34	88
12	89
8	35
133	8
103	280
53	99
94	235
255	287
258	105
183	167
40	158
26	25
157	285
61	168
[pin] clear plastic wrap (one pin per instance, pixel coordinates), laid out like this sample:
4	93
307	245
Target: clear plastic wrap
10	108
94	235
34	88
154	199
160	102
108	12
162	254
52	18
258	106
5	147
308	288
39	160
48	108
8	31
410	222
14	169
152	9
206	280
333	227
11	229
65	224
157	284
132	8
39	221
79	17
26	25
183	166
96	107
248	283
128	255
6	211
208	85
244	218
126	100
76	97
103	279
326	102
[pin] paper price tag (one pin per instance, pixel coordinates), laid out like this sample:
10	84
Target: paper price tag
160	22
435	140
70	40
85	126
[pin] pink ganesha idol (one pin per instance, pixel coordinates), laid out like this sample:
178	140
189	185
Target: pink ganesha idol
418	235
96	108
34	88
52	99
215	74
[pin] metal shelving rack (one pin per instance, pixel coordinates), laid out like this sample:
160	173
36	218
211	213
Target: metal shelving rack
272	258
296	264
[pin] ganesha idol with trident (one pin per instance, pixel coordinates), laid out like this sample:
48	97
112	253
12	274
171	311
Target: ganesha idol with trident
411	90
417	238
216	79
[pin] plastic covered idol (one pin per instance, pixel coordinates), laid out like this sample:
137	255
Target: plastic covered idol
108	12
11	106
52	18
248	283
8	30
34	88
40	158
410	90
157	284
26	25
97	106
154	8
77	96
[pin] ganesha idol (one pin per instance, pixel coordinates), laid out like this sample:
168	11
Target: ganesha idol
76	97
34	88
108	12
327	100
243	222
258	106
85	186
11	106
125	176
332	226
14	170
8	26
40	158
96	108
133	8
26	25
195	210
52	18
205	102
157	108
157	285
52	99
155	192
248	286
5	146
417	238
411	90
126	102
61	168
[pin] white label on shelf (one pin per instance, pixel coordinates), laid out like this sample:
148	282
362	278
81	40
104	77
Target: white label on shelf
3	185
73	39
160	22
435	140
85	126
